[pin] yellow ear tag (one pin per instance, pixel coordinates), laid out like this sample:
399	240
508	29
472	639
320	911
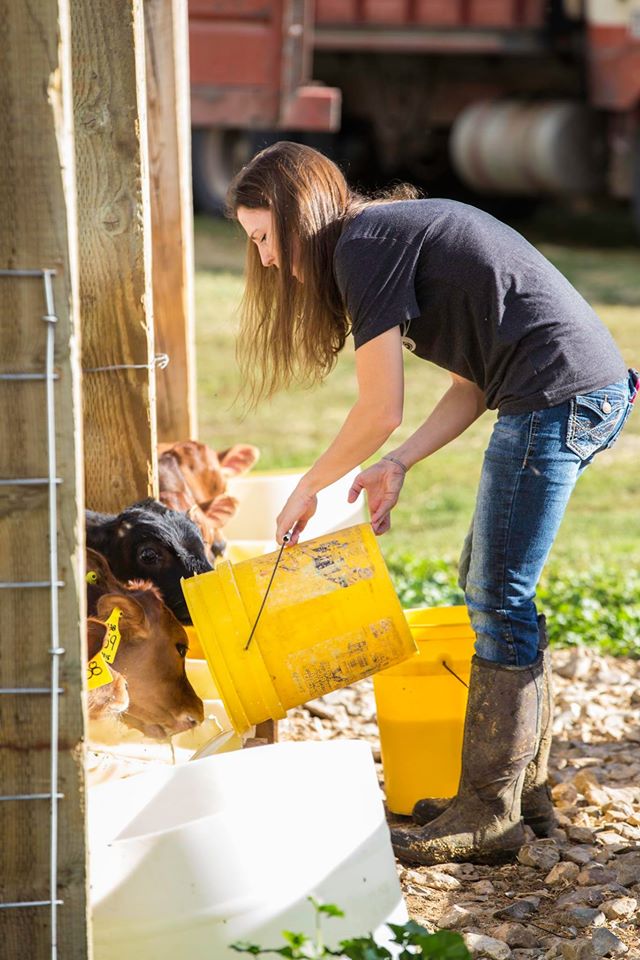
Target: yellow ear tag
112	639
98	673
91	577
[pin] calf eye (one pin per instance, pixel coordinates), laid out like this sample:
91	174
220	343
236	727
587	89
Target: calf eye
149	556
182	649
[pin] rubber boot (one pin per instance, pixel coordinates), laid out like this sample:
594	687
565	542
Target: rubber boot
537	808
483	822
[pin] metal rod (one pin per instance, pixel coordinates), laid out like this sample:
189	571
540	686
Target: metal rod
56	650
29	796
29	690
8	584
30	903
27	481
25	273
26	376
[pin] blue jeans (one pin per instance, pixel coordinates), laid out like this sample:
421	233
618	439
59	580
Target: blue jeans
530	468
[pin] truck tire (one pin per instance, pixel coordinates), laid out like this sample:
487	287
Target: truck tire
216	156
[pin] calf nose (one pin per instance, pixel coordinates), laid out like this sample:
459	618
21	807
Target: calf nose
218	547
188	721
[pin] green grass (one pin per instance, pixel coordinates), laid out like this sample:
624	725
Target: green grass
602	524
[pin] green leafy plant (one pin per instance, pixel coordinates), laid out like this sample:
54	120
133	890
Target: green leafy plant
597	608
413	940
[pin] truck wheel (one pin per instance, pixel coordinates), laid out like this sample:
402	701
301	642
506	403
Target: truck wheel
216	156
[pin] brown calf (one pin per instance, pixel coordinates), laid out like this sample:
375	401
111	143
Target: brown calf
150	656
193	479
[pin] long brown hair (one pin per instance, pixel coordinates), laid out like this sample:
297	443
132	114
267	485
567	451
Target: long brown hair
290	330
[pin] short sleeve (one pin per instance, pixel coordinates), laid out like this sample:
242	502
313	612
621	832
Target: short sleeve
376	279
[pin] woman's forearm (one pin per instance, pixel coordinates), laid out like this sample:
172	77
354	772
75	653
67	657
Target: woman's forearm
460	406
363	432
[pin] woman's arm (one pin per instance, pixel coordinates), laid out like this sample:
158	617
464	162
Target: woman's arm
370	422
460	406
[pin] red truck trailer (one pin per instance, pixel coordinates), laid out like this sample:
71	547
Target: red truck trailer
516	97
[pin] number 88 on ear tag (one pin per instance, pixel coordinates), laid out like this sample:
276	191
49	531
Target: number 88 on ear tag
98	672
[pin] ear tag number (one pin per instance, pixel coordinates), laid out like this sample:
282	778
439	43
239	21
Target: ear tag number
98	672
112	639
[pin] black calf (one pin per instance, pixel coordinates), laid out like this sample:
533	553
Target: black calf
147	541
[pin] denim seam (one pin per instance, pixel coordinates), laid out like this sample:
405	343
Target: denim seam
533	434
533	430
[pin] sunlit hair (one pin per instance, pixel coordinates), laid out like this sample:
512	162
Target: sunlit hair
293	331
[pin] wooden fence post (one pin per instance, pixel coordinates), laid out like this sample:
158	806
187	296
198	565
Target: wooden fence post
40	626
168	95
116	300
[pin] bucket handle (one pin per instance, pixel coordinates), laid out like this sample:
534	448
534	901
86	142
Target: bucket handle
285	541
445	665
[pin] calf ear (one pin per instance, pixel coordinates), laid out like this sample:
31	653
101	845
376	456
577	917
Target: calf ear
96	632
238	459
220	510
132	611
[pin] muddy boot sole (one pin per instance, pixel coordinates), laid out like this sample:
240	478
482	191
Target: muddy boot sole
541	819
410	847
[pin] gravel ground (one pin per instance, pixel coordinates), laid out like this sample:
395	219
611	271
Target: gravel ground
574	896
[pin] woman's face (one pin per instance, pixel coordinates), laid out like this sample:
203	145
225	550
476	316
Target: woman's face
259	227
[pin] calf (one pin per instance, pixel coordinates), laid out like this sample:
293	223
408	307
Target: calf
112	698
148	541
193	479
150	656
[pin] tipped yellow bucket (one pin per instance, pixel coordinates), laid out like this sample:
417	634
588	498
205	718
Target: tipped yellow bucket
421	708
331	617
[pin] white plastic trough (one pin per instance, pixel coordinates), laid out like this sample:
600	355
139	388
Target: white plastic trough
261	496
187	860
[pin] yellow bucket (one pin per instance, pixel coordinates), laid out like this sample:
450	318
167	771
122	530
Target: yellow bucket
331	617
421	708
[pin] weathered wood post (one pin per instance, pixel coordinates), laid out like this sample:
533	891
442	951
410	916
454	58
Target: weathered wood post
42	824
167	49
114	226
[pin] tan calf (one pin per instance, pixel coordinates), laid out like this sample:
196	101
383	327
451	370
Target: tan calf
150	655
193	479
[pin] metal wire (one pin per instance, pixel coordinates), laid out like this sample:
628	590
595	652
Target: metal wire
160	360
21	584
29	796
55	650
28	481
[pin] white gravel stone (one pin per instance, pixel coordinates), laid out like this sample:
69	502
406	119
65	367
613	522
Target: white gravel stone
620	908
543	854
606	944
456	918
577	950
480	945
564	872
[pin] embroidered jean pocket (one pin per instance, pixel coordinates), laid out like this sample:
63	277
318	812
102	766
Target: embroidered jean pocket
595	420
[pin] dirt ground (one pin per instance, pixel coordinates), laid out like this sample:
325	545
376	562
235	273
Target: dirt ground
574	896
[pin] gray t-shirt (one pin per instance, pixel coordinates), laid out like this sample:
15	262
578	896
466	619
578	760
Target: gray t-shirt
474	297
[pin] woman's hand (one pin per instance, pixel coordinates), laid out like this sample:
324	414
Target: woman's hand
295	514
383	483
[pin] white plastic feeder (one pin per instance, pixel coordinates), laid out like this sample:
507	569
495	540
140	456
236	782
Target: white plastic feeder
262	496
187	860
